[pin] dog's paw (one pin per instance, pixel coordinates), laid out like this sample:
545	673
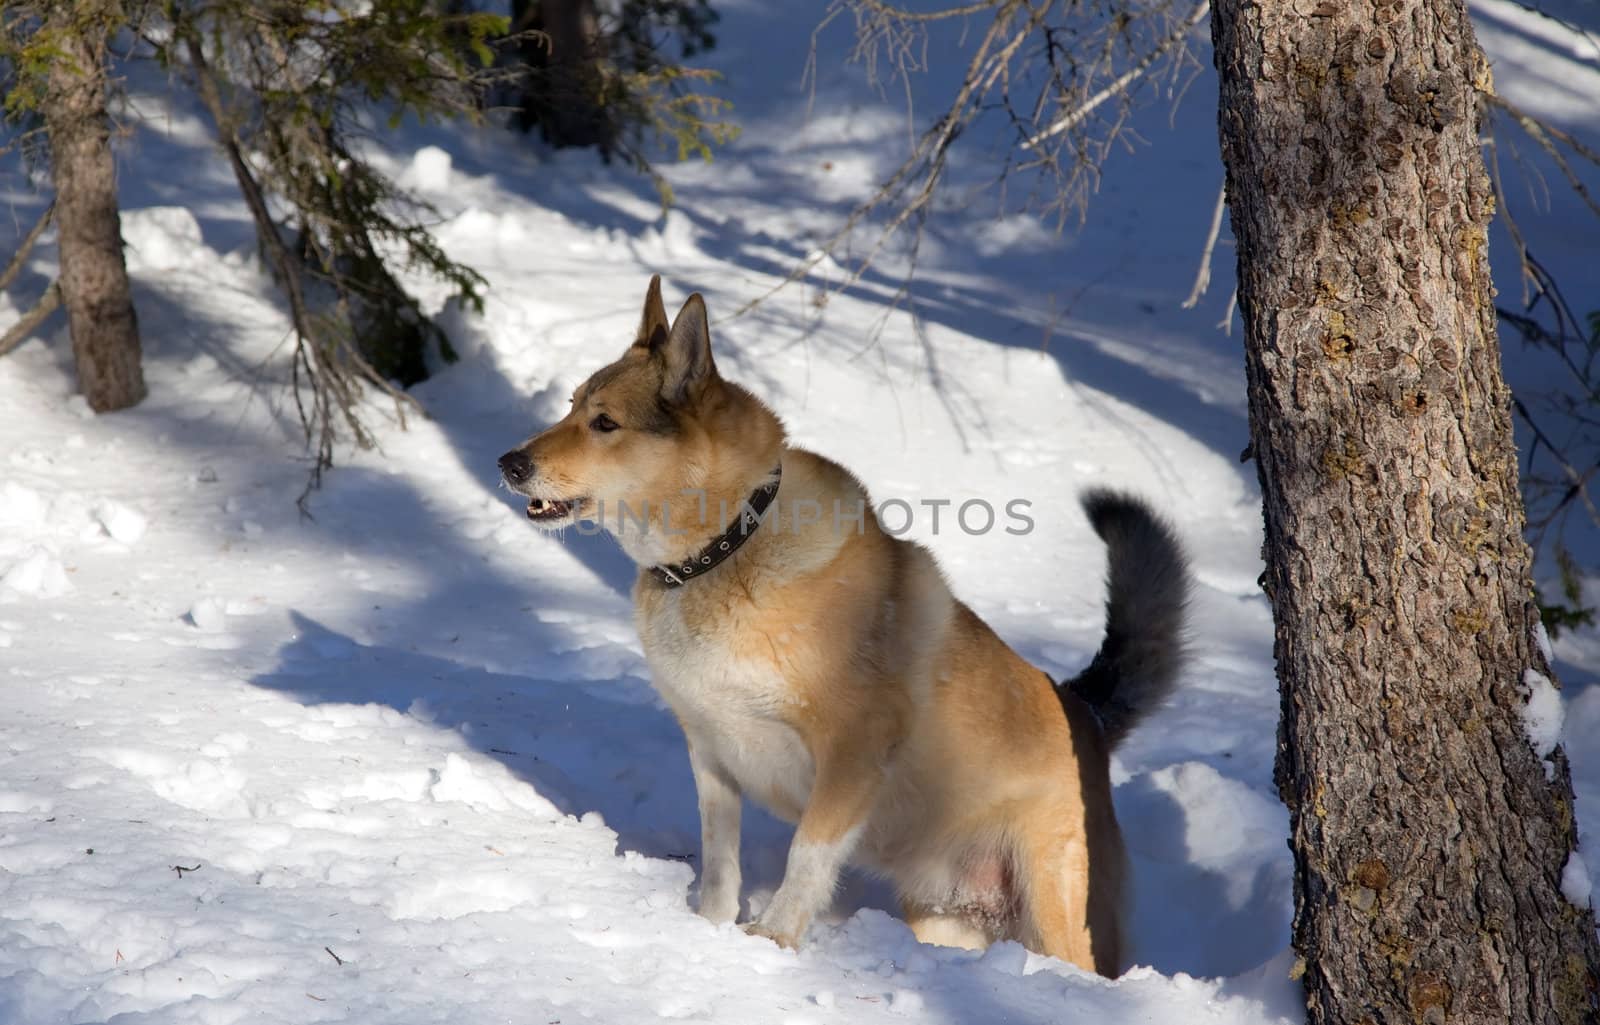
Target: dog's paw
787	941
719	911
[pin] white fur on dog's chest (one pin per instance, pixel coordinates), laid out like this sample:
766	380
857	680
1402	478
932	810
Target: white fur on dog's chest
730	709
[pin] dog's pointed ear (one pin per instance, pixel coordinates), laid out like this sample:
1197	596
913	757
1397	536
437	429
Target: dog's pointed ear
686	353
653	325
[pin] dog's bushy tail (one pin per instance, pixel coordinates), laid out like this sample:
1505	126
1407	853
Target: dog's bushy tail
1147	591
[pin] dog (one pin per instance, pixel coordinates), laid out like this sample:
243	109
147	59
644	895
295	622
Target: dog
822	667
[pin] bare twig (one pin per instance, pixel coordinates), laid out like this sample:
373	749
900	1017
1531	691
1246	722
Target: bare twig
1548	137
1503	208
1568	327
1202	277
307	356
47	304
1051	68
333	389
927	161
1225	325
15	266
1578	481
1121	82
24	141
960	11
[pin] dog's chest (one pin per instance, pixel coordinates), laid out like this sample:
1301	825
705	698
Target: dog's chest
735	709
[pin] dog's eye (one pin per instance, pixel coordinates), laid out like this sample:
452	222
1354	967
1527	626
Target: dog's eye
604	424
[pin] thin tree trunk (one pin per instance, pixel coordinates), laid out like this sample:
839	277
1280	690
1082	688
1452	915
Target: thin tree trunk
94	279
1429	836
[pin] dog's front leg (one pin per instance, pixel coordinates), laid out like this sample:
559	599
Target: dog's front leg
830	826
719	837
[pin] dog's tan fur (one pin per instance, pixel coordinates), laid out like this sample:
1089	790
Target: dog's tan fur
830	675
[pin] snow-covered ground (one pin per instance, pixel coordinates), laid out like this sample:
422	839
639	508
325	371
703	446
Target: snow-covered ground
402	763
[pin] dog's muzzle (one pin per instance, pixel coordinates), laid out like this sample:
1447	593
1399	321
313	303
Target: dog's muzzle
516	467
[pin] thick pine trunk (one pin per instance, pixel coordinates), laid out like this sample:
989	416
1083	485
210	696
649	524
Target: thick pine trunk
94	279
566	98
1429	837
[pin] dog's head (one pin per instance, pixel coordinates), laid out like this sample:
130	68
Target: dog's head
648	434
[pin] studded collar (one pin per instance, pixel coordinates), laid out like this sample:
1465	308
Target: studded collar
676	574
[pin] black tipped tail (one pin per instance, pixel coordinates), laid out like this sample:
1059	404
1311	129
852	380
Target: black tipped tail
1147	590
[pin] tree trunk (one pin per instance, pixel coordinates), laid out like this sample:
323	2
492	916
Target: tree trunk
94	279
566	96
1429	836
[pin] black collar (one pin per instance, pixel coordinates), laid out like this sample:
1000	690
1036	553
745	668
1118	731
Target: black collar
725	544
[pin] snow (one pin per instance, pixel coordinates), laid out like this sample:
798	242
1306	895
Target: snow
1541	640
1542	715
1575	884
406	754
162	238
429	170
209	614
120	522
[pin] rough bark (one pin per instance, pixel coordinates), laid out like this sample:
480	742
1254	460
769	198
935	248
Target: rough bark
94	278
1429	837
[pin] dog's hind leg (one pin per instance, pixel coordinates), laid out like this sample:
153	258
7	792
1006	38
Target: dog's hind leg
719	837
1056	920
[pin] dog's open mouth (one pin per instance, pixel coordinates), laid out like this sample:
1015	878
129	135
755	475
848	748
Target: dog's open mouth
544	510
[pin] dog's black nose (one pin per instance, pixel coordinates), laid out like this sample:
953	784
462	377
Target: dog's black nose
515	466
